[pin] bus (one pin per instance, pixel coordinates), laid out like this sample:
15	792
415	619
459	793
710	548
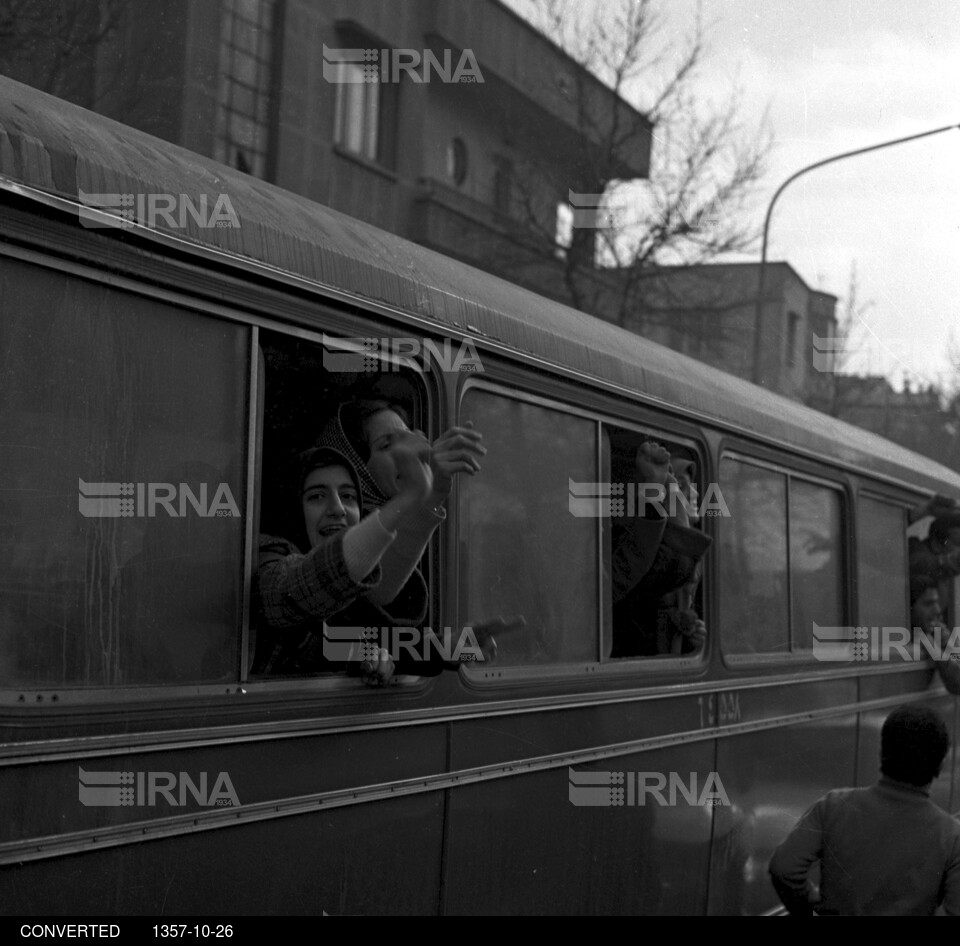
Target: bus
171	332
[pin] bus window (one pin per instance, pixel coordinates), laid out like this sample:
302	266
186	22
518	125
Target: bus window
123	424
816	561
523	553
753	559
302	603
780	574
882	574
653	546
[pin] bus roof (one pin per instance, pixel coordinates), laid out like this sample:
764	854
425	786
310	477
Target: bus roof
54	147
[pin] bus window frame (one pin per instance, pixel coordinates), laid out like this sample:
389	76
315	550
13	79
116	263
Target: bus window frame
202	301
764	460
700	450
633	669
33	701
904	505
336	685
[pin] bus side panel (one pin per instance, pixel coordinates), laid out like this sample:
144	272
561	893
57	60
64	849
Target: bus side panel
352	856
375	859
771	778
546	843
58	796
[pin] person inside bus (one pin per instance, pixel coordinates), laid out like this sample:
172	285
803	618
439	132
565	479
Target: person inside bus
938	555
366	429
655	553
679	628
937	505
339	578
925	616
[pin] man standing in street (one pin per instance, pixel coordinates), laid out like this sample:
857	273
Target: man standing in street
886	850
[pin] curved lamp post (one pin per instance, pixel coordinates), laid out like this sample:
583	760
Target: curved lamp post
758	318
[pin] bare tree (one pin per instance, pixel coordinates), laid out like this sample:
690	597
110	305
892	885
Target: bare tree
53	45
704	166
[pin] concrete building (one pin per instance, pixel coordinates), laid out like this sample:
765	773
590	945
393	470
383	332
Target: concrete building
429	118
914	418
709	312
416	116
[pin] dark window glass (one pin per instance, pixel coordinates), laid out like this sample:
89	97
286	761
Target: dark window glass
753	559
523	552
816	560
882	583
103	584
770	600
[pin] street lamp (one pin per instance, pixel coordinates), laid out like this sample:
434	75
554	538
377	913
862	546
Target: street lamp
758	318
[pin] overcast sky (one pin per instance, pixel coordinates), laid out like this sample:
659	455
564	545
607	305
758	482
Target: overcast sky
839	75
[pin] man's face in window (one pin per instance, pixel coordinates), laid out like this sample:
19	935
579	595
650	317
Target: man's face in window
330	503
925	612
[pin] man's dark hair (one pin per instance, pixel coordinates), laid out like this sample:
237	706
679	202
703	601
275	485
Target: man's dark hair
913	745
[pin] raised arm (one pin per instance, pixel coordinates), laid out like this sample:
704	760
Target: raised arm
457	450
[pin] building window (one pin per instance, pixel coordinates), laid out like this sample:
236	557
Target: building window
357	112
457	161
793	330
365	112
243	98
564	229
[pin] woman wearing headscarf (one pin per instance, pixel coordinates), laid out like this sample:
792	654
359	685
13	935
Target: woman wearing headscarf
336	576
369	432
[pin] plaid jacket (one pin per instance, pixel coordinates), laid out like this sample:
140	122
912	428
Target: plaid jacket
296	593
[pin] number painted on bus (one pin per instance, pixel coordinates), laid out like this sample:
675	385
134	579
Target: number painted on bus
719	709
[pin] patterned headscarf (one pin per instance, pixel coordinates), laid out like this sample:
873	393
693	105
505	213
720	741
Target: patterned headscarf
334	436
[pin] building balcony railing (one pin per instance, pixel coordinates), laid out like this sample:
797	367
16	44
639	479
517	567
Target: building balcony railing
458	225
